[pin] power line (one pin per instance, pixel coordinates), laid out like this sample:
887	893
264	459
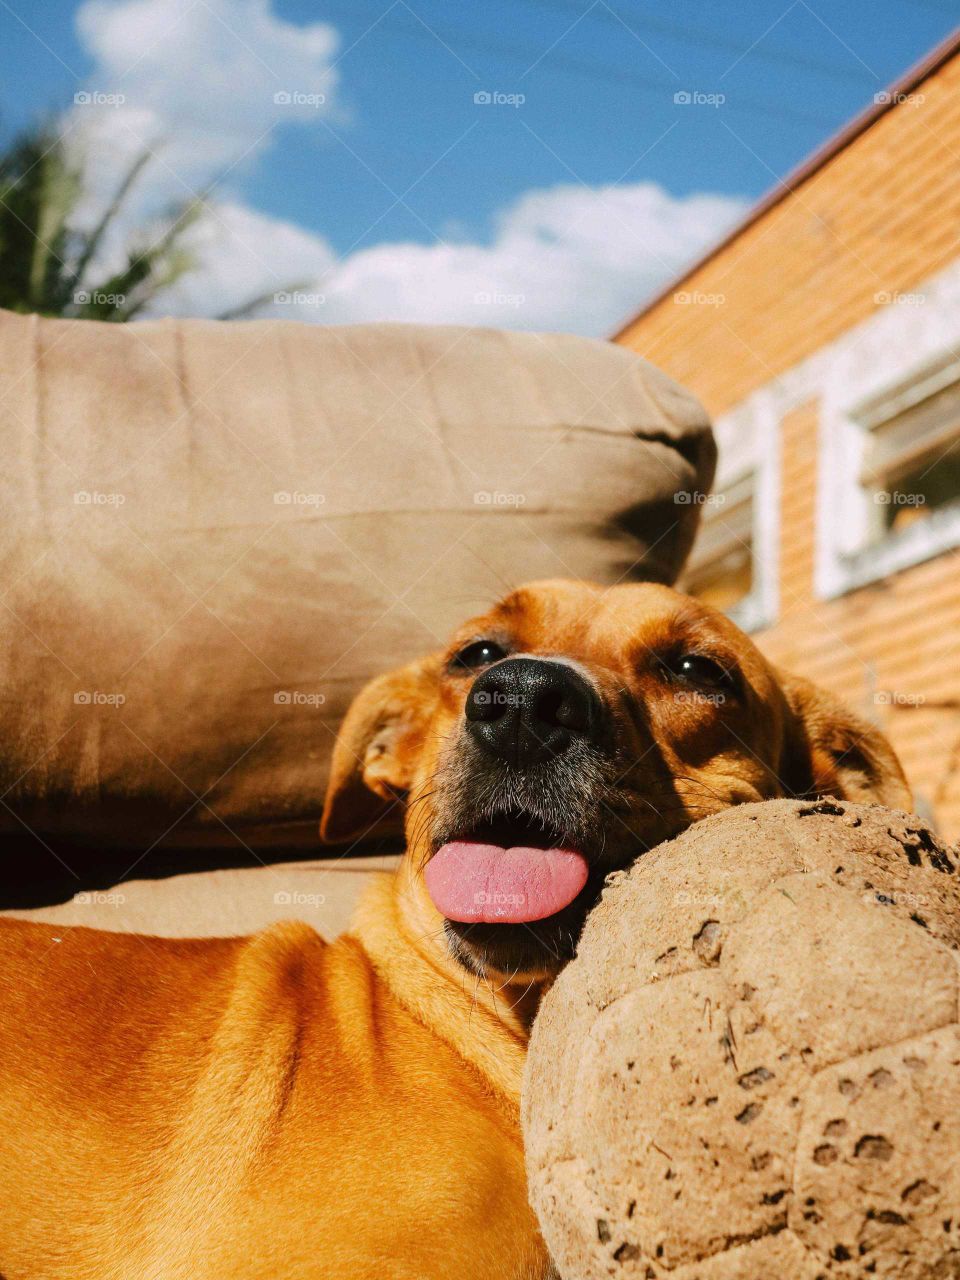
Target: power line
946	10
587	68
708	39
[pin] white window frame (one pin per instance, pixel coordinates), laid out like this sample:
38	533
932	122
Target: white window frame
748	441
907	335
897	359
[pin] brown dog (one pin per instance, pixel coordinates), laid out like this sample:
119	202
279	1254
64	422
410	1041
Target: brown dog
277	1108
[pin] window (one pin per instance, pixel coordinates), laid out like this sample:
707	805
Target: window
733	565
890	478
912	462
720	571
734	562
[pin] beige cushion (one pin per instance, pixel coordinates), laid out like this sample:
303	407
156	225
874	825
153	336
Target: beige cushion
215	533
223	904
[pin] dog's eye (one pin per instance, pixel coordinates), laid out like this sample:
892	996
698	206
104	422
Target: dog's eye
480	653
707	673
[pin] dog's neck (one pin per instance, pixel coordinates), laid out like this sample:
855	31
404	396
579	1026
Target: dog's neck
486	1023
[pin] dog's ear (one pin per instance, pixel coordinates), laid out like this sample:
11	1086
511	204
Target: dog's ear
376	750
830	751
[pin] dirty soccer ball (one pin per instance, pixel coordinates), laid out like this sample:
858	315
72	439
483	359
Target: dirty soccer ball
751	1071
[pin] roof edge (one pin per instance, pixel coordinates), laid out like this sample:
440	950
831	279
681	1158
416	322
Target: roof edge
849	132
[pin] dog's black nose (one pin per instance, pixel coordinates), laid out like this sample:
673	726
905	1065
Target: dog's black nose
527	709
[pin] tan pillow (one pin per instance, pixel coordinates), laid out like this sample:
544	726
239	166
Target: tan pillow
216	533
221	903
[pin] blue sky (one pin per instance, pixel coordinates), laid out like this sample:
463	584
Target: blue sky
400	197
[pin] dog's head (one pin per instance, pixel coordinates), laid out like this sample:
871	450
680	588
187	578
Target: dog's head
564	733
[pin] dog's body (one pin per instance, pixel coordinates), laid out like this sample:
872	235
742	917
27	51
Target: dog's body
278	1108
271	1108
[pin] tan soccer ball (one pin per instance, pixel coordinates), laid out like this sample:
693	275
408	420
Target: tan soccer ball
751	1071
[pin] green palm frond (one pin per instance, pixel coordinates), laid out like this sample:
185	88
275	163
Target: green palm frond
48	263
27	255
244	310
109	216
154	262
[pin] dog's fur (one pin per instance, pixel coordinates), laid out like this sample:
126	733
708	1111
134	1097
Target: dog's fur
277	1107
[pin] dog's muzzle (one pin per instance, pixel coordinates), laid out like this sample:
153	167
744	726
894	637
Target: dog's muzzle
525	710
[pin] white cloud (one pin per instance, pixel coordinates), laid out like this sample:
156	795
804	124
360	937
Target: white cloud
199	84
243	254
566	258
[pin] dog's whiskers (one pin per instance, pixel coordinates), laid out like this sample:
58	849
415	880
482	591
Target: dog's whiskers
522	994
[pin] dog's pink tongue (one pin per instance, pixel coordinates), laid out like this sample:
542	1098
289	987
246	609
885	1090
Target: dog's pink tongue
469	881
